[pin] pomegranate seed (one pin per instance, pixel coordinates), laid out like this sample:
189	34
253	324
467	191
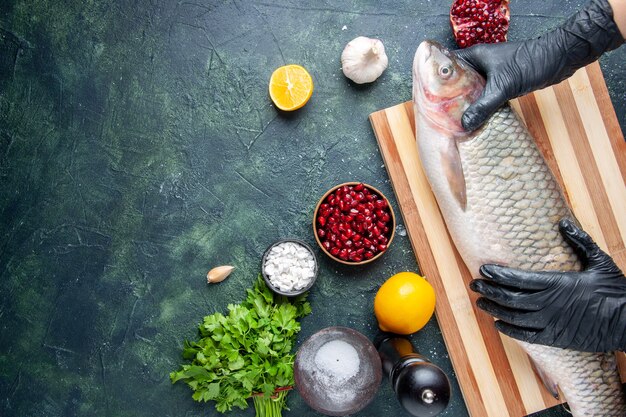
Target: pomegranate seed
343	254
321	233
375	231
326	244
338	243
369	254
358	258
360	218
321	221
367	242
358	187
385	217
343	237
366	191
334	251
360	251
360	196
348	219
380	225
334	228
356	237
354	212
357	243
382	247
381	204
332	237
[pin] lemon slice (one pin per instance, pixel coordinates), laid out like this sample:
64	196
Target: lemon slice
291	86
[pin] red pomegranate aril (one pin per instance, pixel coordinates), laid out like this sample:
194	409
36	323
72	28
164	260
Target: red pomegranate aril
382	247
482	21
353	223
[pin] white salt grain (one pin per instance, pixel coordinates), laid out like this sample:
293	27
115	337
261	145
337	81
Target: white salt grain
289	266
338	360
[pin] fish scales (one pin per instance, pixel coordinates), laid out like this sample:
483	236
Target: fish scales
502	204
513	200
519	220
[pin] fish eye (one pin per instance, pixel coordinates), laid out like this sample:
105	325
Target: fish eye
445	71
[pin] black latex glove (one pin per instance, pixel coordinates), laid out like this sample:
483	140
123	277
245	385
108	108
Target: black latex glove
581	310
513	69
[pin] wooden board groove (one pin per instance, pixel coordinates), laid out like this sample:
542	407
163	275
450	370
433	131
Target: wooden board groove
577	131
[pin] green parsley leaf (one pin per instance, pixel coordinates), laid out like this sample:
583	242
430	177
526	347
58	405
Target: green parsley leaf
245	352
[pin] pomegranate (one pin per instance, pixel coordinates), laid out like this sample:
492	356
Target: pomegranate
479	21
354	223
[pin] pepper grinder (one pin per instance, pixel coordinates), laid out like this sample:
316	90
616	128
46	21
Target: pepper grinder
422	388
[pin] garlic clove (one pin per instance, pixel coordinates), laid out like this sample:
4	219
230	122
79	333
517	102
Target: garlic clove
219	274
363	60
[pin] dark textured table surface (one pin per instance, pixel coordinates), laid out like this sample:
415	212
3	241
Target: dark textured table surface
139	148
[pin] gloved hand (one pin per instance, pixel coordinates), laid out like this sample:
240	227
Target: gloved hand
513	69
584	310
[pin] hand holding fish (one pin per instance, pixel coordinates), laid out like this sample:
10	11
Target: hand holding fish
583	310
513	69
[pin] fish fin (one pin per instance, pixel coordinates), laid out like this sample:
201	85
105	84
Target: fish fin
453	170
547	380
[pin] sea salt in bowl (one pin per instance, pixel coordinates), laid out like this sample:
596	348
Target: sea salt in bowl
289	267
337	371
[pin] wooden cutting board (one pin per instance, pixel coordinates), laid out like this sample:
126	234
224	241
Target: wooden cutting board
576	128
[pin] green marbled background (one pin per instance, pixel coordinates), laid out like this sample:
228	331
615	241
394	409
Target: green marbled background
139	148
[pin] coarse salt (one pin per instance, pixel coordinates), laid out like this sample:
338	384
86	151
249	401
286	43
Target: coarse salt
289	266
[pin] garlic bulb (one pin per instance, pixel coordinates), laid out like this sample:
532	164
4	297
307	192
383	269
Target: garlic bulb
363	59
219	274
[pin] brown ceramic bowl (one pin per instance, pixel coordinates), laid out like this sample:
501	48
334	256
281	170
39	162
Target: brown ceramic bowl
390	234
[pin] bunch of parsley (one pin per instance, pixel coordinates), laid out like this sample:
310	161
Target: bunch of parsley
245	353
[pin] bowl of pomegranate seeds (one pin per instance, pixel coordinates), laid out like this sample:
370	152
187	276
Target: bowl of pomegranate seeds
354	223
